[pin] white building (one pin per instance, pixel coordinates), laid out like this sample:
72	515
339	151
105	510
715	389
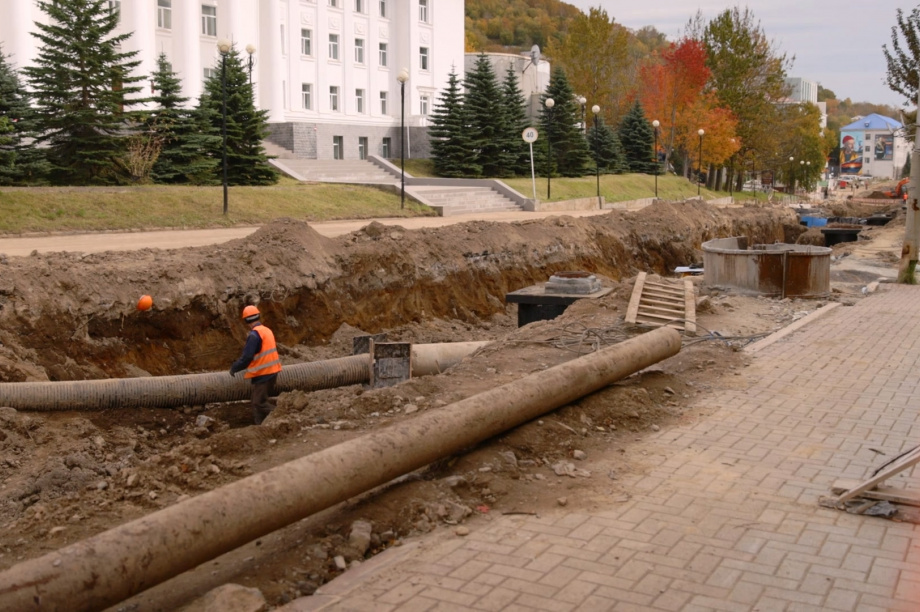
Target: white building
325	70
532	72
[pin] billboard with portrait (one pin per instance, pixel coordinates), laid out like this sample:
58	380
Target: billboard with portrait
884	147
851	156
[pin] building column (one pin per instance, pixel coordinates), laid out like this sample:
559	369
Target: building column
187	48
271	64
139	18
18	41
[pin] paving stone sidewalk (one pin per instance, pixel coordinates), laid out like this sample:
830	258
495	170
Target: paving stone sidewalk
728	519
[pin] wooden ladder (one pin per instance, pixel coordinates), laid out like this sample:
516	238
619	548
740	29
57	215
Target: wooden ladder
668	303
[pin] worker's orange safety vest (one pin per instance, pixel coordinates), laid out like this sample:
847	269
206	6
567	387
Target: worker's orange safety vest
267	361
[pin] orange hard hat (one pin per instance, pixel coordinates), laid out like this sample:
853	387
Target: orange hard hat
250	314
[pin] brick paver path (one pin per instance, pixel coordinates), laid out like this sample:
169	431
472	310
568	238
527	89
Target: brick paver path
729	519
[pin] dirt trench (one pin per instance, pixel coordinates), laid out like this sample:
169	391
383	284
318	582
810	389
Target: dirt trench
71	316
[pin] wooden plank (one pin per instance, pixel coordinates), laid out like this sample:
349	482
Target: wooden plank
675	310
891	494
651	287
672	303
908	460
633	309
689	306
662	317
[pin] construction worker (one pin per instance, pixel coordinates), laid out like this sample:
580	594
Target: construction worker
261	362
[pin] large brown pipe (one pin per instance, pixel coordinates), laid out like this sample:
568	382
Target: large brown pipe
116	564
200	389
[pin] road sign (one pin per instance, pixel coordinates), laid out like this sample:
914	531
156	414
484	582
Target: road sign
530	134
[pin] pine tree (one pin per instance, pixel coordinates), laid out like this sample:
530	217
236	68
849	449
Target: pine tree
561	128
21	162
83	85
515	105
637	137
606	148
186	138
247	163
451	148
486	119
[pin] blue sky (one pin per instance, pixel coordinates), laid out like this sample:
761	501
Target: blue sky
837	43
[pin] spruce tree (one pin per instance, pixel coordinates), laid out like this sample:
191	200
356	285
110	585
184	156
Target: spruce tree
247	163
515	105
486	119
451	148
570	155
638	137
184	136
606	148
21	162
83	87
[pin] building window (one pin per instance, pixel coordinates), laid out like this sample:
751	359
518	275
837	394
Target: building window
209	20
210	73
359	6
334	3
306	42
423	11
362	147
385	147
423	105
115	7
284	45
333	98
383	103
164	14
338	146
383	54
306	95
359	50
423	58
334	46
383	8
359	100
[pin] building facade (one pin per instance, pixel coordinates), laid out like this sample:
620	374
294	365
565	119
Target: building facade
873	145
325	70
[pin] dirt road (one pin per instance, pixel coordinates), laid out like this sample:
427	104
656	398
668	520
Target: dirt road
178	239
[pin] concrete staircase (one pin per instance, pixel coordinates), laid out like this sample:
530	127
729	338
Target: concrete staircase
357	171
447	196
460	200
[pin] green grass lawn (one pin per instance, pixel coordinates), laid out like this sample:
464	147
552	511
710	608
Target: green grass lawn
86	209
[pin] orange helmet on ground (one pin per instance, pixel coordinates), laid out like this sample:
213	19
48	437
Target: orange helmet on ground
250	314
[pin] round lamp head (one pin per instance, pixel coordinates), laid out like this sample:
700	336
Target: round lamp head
802	162
791	158
581	99
403	76
701	132
656	123
250	49
224	45
595	109
550	103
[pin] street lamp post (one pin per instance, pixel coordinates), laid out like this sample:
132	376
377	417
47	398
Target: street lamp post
402	77
792	172
802	164
550	103
731	172
807	180
584	116
223	46
699	166
655	125
597	159
250	49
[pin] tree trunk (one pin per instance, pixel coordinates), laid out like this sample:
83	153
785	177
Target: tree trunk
912	228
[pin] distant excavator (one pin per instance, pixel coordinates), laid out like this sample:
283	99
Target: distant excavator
900	190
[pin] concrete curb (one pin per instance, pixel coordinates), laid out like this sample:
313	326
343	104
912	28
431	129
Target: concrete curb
779	335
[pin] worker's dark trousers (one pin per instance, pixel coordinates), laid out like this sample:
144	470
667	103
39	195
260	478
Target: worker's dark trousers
261	404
